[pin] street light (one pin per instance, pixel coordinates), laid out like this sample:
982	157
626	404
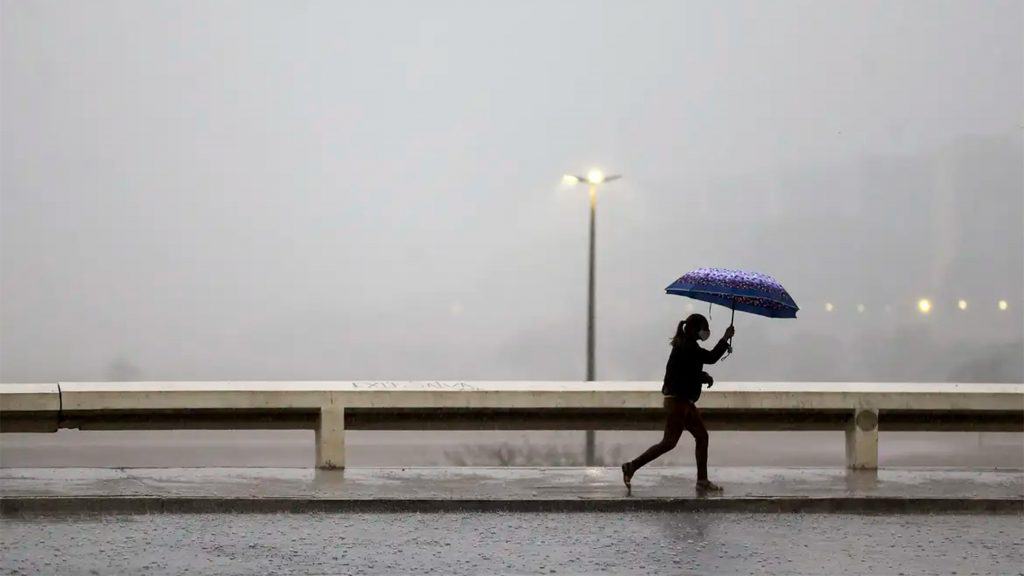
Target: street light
924	305
593	178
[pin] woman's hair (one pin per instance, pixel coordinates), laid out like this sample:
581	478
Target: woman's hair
689	328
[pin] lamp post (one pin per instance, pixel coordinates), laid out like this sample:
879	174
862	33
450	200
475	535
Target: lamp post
593	178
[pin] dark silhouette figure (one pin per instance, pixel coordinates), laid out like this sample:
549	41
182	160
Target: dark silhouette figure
684	376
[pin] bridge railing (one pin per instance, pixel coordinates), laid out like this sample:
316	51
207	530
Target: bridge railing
331	408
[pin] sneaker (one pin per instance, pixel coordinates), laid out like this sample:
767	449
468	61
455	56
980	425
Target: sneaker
627	477
707	486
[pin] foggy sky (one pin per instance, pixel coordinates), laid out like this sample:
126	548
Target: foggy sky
371	190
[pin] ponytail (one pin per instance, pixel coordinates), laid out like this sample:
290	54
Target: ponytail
680	334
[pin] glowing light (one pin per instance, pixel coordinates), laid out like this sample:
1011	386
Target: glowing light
829	307
962	304
570	179
595	176
861	308
1003	304
924	305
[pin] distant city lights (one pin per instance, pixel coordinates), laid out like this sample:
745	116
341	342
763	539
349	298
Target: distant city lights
924	306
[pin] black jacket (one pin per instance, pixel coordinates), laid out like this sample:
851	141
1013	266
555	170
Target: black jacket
685	366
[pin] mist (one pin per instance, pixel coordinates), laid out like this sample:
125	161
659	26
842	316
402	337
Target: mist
343	191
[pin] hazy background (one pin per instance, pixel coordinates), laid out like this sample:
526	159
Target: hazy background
371	190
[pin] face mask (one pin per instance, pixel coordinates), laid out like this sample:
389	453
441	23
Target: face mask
704	334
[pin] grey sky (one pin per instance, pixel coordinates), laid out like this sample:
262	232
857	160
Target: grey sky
347	190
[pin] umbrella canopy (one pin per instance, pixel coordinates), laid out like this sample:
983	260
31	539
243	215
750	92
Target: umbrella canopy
744	291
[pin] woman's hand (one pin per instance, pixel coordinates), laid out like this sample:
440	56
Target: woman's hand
707	379
728	333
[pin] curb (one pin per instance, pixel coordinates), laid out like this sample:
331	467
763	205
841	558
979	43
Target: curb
28	506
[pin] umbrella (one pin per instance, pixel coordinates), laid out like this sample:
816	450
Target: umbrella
738	290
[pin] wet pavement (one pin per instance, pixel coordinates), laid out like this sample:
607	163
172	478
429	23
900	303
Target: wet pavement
520	489
374	448
514	543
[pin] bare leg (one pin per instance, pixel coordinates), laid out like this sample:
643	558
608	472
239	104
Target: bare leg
695	424
673	430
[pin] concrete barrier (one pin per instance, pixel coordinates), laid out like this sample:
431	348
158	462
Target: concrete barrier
330	408
29	407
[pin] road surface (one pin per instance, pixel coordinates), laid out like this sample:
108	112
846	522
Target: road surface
491	543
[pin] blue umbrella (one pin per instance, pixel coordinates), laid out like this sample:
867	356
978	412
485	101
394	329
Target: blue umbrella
738	290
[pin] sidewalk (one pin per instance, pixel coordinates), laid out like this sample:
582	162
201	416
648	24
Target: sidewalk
145	490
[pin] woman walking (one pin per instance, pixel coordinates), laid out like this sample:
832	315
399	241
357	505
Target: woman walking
684	376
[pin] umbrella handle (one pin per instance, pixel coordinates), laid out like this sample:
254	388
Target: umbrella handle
732	320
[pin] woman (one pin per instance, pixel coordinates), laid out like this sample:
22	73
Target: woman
684	375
